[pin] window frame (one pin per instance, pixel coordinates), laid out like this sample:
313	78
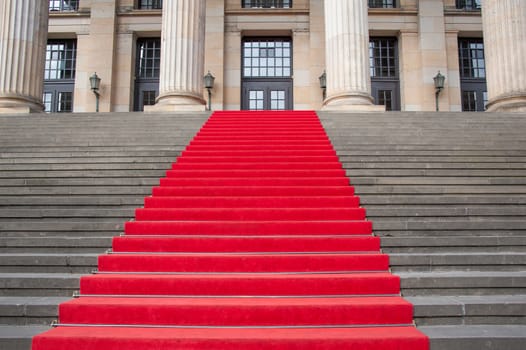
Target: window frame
266	4
149	5
382	4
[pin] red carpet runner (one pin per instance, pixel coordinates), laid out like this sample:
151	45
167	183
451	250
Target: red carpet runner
254	240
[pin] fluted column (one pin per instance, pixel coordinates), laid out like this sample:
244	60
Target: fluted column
504	24
182	56
347	55
23	36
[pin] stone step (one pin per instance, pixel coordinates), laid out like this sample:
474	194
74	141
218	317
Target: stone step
55	245
91	152
87	200
469	310
30	174
126	213
440	189
47	263
450	283
23	311
453	244
14	337
372	152
54	161
443	199
450	224
61	225
109	181
446	210
476	337
432	158
461	261
84	166
39	284
75	190
362	181
435	172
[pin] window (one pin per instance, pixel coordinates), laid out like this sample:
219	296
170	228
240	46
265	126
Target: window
471	56
472	74
63	5
147	72
267	58
382	57
61	59
150	4
149	58
469	4
267	4
59	75
386	4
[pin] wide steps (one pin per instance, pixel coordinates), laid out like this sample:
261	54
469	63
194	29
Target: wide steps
391	338
232	284
244	244
322	227
237	311
225	263
265	214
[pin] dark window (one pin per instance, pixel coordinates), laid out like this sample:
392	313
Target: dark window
149	58
386	4
267	4
59	75
469	4
63	5
267	58
61	56
148	68
471	56
472	74
382	58
150	4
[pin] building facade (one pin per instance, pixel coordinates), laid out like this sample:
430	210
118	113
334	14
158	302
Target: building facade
264	54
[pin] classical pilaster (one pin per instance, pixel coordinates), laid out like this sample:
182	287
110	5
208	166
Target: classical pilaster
182	56
347	56
504	24
23	36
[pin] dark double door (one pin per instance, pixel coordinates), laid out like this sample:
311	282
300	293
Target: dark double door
267	95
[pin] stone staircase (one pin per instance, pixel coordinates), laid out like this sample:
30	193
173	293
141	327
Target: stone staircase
67	185
445	191
447	194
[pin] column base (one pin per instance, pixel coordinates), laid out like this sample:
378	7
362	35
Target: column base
19	105
356	102
176	103
514	103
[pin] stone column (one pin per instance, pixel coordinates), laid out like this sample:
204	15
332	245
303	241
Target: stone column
347	56
504	25
182	57
23	38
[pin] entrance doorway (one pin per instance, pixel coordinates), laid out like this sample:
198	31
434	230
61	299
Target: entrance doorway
267	74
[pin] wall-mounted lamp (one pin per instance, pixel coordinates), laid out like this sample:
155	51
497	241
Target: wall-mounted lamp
439	86
323	84
208	81
94	82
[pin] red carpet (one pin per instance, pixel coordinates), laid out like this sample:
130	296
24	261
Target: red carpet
253	240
